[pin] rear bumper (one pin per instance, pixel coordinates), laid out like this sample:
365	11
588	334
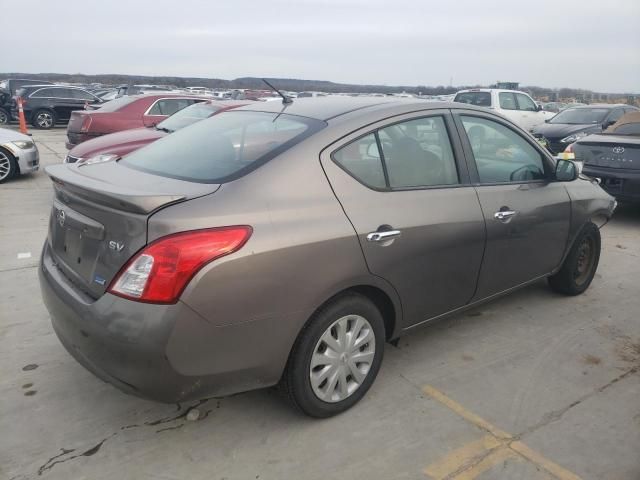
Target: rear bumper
143	349
76	138
623	184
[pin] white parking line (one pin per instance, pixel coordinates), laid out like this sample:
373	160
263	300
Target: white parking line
24	255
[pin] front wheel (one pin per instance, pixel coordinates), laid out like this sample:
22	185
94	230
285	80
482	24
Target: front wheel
8	166
44	119
4	117
336	357
580	266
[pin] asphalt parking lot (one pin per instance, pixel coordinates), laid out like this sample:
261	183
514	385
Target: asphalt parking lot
532	386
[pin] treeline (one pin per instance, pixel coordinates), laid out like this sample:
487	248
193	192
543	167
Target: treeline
291	84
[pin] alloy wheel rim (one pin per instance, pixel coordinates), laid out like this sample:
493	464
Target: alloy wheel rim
342	358
5	166
44	120
585	261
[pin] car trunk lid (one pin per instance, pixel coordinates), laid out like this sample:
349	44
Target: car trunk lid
609	151
99	217
76	120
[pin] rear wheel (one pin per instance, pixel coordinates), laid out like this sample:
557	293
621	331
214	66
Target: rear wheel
8	166
4	117
336	357
581	264
44	119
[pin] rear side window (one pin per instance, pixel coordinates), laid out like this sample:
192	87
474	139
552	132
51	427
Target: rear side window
169	106
362	160
481	99
223	147
507	101
416	153
628	129
44	93
82	95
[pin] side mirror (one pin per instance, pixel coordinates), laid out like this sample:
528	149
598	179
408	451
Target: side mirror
566	171
607	124
539	107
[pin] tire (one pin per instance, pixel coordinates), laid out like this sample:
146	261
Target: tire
303	386
580	266
4	117
43	119
8	166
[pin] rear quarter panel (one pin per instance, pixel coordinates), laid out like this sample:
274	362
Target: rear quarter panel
303	250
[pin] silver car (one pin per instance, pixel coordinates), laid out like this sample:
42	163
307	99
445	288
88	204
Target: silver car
285	244
18	154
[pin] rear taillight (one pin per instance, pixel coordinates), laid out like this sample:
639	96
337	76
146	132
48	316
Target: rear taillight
569	148
86	123
161	271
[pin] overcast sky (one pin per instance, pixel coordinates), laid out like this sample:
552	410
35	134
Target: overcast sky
552	43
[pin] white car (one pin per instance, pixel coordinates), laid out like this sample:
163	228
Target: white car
517	106
18	154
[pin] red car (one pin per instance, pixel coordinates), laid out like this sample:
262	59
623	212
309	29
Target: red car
125	113
121	143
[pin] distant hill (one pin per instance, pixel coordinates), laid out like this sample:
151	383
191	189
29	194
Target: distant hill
297	85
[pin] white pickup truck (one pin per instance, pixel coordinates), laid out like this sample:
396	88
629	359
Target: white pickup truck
517	106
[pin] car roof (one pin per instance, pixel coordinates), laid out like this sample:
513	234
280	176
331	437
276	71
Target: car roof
489	90
333	107
325	108
601	105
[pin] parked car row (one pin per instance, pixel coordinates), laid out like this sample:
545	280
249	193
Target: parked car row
285	244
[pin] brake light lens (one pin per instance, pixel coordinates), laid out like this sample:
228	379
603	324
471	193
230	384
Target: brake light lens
160	272
86	123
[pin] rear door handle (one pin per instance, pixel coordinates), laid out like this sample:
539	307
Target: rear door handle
382	236
504	215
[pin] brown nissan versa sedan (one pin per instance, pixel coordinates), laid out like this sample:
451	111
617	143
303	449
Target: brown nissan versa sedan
286	243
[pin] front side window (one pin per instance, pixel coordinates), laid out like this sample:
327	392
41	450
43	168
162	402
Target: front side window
615	116
223	147
628	129
525	103
507	101
501	154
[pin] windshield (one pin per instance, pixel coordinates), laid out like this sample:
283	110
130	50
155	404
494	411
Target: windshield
117	104
187	116
223	147
481	99
580	116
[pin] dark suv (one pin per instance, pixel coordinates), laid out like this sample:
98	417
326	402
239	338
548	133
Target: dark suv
8	90
46	105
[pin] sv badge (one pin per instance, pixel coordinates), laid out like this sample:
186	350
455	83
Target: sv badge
116	246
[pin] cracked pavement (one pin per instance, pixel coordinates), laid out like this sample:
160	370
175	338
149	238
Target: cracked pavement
560	374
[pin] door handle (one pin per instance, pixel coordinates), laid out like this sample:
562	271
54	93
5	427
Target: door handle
382	236
504	215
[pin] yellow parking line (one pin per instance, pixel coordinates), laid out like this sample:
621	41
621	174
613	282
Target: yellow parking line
458	465
462	457
464	413
494	458
537	459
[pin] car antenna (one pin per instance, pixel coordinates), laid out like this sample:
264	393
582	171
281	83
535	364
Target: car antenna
285	100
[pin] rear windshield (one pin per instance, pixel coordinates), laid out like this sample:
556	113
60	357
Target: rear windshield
223	147
187	116
481	99
117	104
580	116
